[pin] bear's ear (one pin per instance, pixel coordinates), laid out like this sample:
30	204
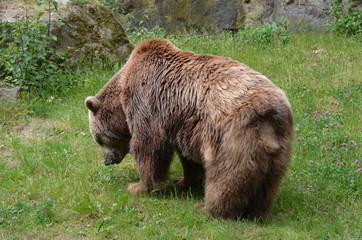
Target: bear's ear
93	104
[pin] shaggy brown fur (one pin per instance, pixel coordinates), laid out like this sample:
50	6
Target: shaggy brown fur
230	125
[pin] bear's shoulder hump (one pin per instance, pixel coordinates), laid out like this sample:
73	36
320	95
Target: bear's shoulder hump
153	45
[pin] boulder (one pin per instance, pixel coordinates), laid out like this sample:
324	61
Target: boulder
91	29
9	95
176	15
313	14
303	13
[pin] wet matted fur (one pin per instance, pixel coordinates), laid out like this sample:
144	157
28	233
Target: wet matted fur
230	125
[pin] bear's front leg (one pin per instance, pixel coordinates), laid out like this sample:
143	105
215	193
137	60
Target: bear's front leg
194	174
153	162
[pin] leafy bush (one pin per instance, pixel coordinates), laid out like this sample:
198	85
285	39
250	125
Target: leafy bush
141	33
267	33
27	58
348	24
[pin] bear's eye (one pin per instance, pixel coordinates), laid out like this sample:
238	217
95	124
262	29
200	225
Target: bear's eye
99	142
98	139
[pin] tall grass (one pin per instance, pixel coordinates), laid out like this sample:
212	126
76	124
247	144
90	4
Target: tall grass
54	184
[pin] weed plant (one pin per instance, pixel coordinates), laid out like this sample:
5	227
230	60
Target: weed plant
54	183
266	33
349	24
27	58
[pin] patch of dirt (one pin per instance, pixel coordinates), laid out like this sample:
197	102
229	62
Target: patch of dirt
12	9
38	130
24	130
7	157
41	129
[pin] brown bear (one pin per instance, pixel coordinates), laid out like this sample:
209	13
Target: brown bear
231	126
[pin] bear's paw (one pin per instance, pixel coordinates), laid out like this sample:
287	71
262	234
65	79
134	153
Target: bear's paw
136	188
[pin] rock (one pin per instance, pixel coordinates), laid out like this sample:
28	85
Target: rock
303	13
176	15
92	29
313	14
9	95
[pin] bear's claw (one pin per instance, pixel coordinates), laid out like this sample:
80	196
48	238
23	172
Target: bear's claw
200	207
136	188
180	182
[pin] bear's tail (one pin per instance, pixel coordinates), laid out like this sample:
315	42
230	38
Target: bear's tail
254	155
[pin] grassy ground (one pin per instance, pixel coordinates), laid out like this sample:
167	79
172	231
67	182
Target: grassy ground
54	184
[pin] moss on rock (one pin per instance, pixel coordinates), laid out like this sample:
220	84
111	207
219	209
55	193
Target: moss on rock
91	29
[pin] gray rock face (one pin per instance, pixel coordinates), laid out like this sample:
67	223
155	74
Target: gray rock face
303	13
175	15
9	95
93	30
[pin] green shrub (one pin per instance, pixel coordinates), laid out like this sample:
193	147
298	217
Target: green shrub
27	58
348	24
267	33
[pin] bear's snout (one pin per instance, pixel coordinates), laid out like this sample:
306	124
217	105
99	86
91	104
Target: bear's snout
111	158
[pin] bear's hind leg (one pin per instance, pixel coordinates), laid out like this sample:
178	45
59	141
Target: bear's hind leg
228	191
261	203
153	163
194	174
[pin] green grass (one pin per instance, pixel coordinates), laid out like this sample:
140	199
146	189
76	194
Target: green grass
54	183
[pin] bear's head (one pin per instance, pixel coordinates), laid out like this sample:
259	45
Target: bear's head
108	126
